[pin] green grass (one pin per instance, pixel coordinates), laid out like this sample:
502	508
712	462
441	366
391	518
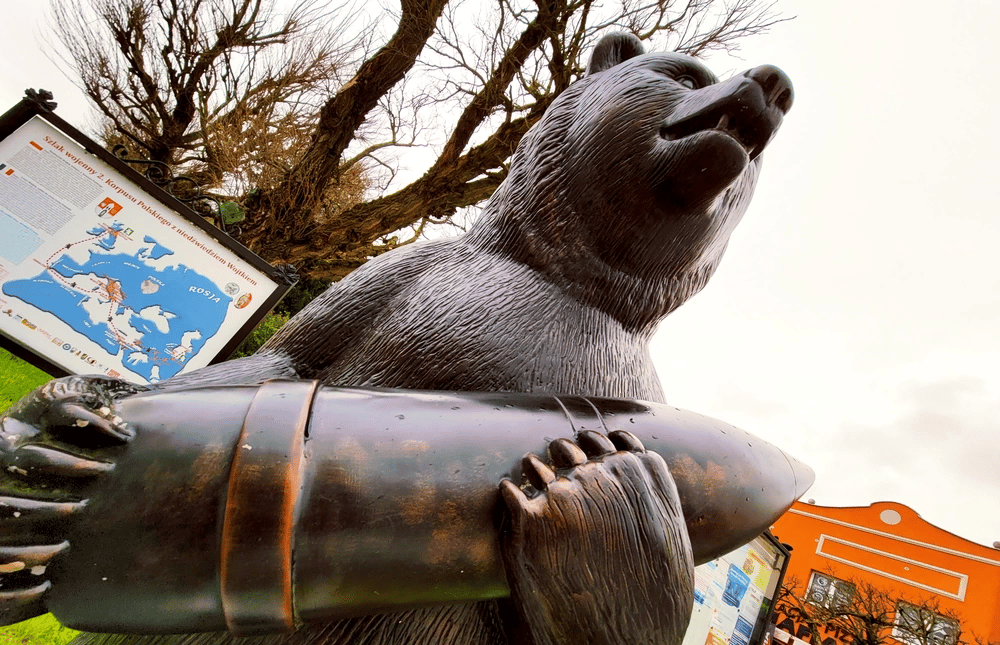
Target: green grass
17	378
44	630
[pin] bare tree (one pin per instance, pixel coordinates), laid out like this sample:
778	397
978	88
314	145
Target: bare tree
204	84
226	90
864	614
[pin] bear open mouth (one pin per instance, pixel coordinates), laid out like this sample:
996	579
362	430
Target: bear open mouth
753	132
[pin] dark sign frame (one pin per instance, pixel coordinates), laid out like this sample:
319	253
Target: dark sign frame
760	633
38	104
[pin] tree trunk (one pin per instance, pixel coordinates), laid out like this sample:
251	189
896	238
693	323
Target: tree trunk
297	196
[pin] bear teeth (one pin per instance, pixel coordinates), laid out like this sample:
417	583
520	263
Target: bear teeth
734	132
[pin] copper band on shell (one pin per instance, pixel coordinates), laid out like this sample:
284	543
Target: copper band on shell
264	484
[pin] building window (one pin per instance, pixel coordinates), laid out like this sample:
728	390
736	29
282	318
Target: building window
918	626
829	592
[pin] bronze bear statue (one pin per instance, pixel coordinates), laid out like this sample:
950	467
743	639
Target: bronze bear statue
618	207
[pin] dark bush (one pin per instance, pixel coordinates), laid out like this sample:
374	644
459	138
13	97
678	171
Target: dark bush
267	327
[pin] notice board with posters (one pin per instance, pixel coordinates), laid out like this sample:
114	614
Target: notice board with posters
734	595
103	272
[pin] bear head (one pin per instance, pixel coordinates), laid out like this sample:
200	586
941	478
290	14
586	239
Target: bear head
626	191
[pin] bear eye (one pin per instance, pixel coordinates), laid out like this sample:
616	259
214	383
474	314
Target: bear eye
687	82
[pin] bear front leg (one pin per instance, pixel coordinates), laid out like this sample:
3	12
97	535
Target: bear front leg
598	552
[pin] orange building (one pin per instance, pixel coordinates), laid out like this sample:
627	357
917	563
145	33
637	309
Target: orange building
887	545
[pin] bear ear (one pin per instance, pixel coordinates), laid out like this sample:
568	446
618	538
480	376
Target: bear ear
613	49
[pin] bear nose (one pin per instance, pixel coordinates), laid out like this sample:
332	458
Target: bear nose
777	86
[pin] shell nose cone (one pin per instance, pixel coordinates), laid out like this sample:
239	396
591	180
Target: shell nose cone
805	477
777	86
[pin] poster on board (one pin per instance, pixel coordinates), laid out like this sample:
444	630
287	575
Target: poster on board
734	594
103	273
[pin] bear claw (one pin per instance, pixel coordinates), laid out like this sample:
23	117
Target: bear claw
23	604
538	473
625	440
594	443
566	454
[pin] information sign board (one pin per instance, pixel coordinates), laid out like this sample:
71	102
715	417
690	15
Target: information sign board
734	594
102	272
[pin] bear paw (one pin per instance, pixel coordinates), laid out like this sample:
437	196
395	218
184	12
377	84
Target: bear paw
599	534
53	442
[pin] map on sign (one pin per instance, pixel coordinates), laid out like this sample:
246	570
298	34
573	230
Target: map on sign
129	298
98	276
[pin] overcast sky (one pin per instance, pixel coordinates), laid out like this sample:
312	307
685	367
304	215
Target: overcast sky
854	319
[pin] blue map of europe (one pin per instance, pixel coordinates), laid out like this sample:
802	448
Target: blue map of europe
153	316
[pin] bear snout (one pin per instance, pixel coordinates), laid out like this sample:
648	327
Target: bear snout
776	84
